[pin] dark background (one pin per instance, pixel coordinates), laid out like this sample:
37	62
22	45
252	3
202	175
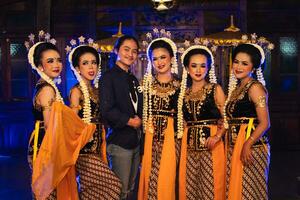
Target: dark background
279	21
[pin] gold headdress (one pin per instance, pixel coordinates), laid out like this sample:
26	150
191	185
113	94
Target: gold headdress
31	46
70	51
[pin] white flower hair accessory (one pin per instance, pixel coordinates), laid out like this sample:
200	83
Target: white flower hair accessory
31	46
165	36
87	116
262	44
83	42
206	46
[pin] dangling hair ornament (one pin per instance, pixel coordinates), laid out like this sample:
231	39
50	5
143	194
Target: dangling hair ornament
31	46
86	96
259	74
187	47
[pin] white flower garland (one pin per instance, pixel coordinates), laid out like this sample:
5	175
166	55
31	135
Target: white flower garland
30	56
231	87
147	105
259	73
260	76
180	117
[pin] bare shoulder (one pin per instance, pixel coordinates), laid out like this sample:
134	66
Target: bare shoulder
257	89
46	96
219	90
47	90
75	92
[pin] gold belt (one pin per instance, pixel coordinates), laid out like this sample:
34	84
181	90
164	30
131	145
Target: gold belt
234	128
202	123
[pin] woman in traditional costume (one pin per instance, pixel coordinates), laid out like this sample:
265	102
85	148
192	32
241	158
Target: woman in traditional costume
202	162
53	164
96	180
161	150
247	117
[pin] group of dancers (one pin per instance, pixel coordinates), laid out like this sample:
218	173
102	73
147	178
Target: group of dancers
185	137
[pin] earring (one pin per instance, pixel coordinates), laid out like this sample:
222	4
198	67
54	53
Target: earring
57	80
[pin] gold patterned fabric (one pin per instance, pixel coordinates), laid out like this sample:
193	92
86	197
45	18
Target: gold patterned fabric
198	133
200	111
164	101
234	128
239	104
97	181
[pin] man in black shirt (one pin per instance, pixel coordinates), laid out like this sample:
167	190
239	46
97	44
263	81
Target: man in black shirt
121	109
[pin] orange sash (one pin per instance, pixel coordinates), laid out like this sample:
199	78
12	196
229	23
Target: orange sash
54	167
103	146
167	170
146	165
182	166
218	157
235	181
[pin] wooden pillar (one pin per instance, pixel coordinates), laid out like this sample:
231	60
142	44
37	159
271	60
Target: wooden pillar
243	15
133	22
92	19
6	69
201	24
43	15
61	44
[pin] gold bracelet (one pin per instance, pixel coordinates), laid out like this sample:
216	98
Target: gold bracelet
76	107
48	107
262	102
44	108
